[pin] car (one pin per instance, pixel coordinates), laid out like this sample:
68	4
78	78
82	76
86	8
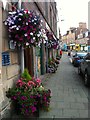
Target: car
77	58
84	69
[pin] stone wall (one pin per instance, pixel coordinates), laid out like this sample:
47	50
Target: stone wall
8	74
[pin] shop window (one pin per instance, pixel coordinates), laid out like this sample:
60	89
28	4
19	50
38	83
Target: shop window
5	58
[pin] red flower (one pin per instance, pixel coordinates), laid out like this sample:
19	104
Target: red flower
31	83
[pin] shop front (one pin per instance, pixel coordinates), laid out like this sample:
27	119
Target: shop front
84	47
77	47
72	46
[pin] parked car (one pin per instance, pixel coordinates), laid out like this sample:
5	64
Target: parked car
77	58
84	69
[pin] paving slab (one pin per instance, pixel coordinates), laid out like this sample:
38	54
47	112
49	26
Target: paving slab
69	95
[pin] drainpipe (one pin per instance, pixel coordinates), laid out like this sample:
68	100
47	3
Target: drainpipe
36	66
22	49
46	56
42	58
22	59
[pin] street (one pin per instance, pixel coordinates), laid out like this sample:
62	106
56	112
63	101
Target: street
69	95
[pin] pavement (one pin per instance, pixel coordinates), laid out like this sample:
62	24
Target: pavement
69	98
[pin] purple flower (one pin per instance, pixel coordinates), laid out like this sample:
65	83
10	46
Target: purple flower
24	98
14	97
33	108
31	96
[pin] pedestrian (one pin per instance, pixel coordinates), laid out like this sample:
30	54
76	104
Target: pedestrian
60	53
69	52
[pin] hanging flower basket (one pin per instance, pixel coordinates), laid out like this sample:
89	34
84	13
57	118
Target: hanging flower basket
24	27
52	42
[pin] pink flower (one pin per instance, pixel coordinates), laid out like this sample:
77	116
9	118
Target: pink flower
31	26
28	37
33	108
16	36
18	93
31	83
14	97
24	98
26	11
33	78
20	39
38	81
20	83
31	96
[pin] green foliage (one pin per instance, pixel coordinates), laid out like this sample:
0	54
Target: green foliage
26	75
49	61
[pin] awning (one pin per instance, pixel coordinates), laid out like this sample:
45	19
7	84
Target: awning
72	44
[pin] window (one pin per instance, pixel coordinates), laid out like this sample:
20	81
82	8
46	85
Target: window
5	59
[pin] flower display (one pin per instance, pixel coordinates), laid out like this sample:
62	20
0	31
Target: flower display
24	27
52	65
52	41
30	95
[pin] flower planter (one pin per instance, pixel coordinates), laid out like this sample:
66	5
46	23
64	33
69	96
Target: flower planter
28	97
16	107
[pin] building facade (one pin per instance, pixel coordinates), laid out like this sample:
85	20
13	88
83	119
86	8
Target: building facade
12	60
76	38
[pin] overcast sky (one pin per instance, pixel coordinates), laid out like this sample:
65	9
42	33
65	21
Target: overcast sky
72	12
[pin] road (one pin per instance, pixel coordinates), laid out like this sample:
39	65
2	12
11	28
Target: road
69	95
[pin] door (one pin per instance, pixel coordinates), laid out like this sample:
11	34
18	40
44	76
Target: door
28	56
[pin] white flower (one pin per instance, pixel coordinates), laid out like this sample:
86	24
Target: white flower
41	88
12	22
17	28
35	19
12	13
33	38
14	18
19	19
38	35
20	14
41	20
40	32
29	12
32	41
5	23
25	34
26	23
32	20
27	44
14	26
25	11
31	33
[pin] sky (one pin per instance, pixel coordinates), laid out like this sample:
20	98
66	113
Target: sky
71	12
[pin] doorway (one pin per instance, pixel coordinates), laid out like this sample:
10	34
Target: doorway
28	56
